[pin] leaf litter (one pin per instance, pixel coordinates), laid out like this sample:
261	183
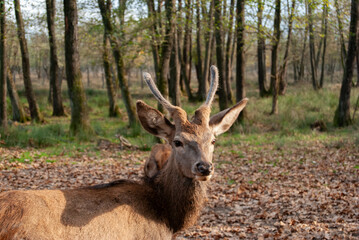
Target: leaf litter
257	192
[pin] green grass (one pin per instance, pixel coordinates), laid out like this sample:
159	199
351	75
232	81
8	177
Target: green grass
298	109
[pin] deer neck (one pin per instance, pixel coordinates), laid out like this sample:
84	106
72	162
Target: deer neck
180	199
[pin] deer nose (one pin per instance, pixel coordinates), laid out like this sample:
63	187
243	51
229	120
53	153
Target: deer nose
204	168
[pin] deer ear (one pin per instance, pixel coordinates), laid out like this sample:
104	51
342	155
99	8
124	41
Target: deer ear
223	120
154	122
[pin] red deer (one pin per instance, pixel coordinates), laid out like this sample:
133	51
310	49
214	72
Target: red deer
158	157
126	209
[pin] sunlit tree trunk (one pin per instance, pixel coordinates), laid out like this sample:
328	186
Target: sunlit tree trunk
79	112
3	115
34	109
275	44
228	62
199	63
325	16
342	114
55	87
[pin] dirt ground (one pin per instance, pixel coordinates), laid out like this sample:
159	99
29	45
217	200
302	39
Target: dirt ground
257	192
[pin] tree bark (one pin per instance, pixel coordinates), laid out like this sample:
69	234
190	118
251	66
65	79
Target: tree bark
208	51
301	65
55	87
240	76
34	109
187	43
312	47
126	96
261	51
223	104
79	112
111	93
228	63
342	114
18	113
3	115
275	43
199	63
283	68
175	72
325	16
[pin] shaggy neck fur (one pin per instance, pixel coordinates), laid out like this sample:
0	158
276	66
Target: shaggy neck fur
179	199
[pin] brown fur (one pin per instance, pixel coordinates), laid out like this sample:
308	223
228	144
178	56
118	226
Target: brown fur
158	157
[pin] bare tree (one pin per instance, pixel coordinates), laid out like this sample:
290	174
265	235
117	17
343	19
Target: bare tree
79	111
312	45
34	109
261	51
18	113
342	114
58	108
275	44
118	56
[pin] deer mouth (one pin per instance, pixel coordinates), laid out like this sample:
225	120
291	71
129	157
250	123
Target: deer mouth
203	178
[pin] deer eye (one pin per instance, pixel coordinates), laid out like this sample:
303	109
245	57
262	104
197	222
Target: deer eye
213	141
178	143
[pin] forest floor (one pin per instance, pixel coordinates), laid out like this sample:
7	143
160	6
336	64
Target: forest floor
306	190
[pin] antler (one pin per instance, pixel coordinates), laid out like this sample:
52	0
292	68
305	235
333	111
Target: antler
178	115
213	86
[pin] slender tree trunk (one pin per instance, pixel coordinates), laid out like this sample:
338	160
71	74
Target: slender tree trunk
325	16
111	93
261	51
341	33
342	114
208	51
3	115
18	113
154	33
228	63
240	76
175	73
55	87
187	43
105	8
283	68
275	43
199	50
34	109
79	112
312	47
301	65
223	104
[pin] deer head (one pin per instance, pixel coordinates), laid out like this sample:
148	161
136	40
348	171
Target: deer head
192	141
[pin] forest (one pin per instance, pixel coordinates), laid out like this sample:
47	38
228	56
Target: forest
72	71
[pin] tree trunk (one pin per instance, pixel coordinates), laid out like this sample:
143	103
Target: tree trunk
55	87
341	34
325	16
301	65
34	109
312	46
220	54
175	73
283	68
111	93
18	113
261	51
79	112
240	78
342	114
275	43
187	43
199	51
208	51
3	114
105	9
228	63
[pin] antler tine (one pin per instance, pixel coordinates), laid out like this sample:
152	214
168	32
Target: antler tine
213	86
150	83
